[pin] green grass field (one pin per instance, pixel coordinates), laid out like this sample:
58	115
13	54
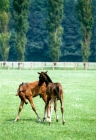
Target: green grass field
79	104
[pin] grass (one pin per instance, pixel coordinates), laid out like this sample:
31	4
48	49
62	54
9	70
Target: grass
79	103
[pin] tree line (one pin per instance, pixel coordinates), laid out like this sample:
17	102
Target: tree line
53	30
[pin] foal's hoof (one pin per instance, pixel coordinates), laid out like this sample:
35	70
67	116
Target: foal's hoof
26	103
49	123
39	120
63	122
56	120
16	120
43	119
47	119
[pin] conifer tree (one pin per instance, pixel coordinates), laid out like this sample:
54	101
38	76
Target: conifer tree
20	14
93	39
4	34
85	15
55	30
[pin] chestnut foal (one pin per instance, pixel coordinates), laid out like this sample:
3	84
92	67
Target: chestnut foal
27	91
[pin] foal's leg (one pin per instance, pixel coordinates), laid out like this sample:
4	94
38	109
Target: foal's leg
46	109
22	96
50	109
55	108
20	108
33	107
62	110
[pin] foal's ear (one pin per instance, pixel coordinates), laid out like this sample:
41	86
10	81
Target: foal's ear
46	72
38	72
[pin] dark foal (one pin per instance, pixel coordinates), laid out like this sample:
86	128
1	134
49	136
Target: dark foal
54	92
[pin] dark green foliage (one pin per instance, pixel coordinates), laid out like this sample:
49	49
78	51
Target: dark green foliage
71	49
93	40
85	16
36	49
4	5
21	10
12	52
55	30
4	34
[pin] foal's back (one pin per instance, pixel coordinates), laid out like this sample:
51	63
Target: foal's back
32	89
36	89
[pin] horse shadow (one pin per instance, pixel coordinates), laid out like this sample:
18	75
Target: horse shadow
23	120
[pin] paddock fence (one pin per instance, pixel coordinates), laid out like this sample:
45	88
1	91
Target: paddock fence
47	65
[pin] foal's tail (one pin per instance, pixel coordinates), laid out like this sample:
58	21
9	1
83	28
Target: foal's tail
57	92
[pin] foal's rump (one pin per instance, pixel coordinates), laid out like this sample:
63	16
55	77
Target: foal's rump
54	90
57	92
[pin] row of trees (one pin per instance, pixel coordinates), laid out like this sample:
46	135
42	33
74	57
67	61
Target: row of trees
59	30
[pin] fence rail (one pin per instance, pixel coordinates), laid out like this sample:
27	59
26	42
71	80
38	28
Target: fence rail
47	65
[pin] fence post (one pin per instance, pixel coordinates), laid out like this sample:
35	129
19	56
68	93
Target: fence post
12	65
52	66
31	65
64	65
42	66
8	66
85	65
75	66
23	65
19	65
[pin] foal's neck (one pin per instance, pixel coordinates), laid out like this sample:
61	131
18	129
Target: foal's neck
47	82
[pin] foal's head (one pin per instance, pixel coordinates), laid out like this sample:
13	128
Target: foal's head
43	77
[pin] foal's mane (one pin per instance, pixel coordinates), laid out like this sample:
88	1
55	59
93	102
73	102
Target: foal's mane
48	78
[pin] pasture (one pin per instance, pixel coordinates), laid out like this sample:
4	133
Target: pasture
79	104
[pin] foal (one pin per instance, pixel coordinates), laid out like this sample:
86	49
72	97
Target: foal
54	92
29	91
